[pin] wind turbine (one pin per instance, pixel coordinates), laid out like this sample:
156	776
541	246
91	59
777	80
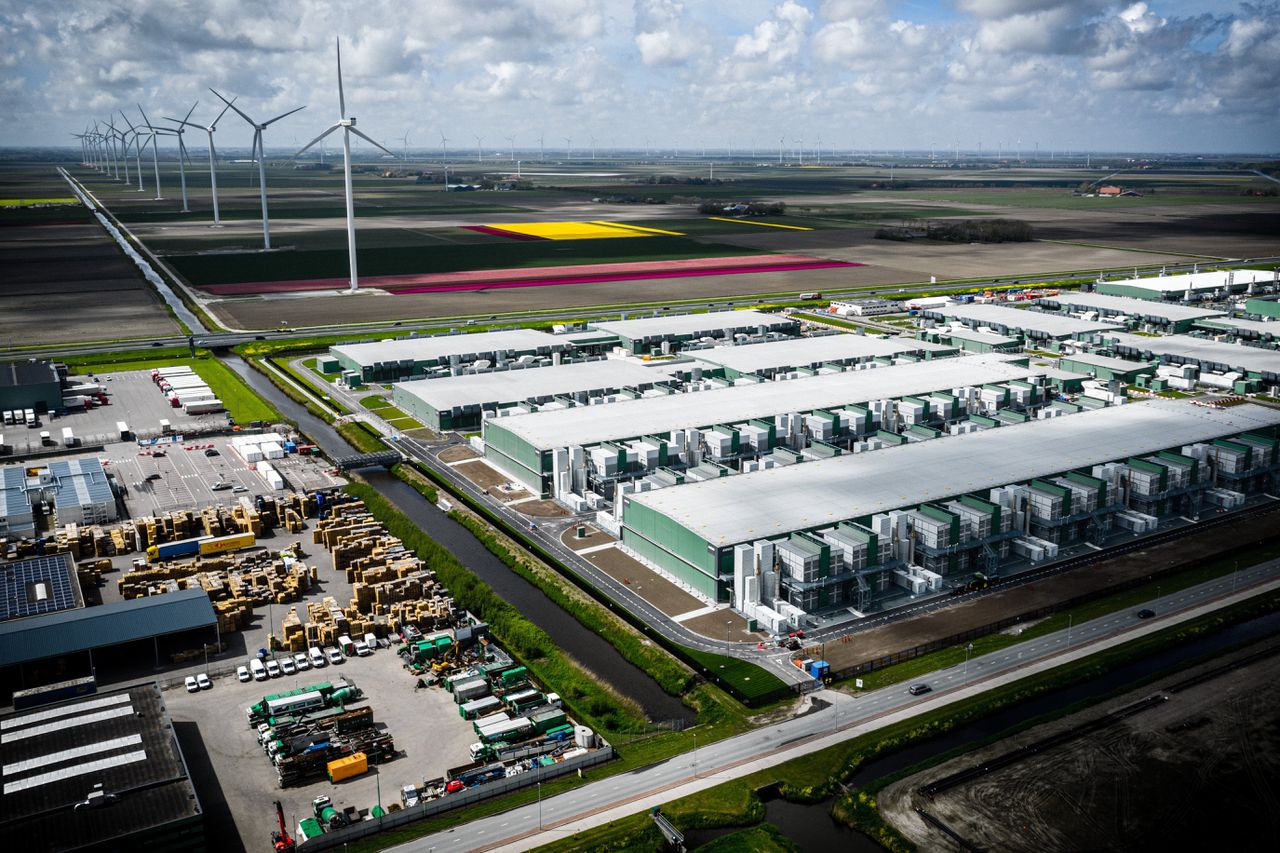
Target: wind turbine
511	140
262	156
348	126
568	147
405	140
800	148
182	152
542	151
213	155
479	150
155	149
137	148
593	148
123	150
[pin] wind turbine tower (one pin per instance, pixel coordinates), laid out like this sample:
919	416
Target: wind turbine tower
260	148
348	126
213	158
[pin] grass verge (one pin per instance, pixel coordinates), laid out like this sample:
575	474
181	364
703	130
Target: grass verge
360	436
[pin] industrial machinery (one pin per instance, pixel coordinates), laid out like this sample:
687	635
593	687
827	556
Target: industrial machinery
281	841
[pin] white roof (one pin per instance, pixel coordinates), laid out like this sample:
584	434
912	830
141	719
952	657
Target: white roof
440	347
1195	280
661	415
957	330
1210	352
663	326
778	501
1052	324
1171	311
1122	364
1261	327
802	352
509	386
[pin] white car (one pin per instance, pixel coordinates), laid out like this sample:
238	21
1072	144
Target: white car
301	662
287	666
362	649
203	680
242	673
273	669
193	686
334	655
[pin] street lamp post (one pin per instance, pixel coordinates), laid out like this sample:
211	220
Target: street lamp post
695	754
727	624
967	651
539	805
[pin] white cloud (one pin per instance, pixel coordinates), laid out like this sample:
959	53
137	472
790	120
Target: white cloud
776	39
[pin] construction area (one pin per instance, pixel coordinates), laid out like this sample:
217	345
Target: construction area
1189	756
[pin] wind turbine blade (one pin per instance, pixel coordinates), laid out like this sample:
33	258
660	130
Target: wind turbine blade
214	124
190	111
367	139
342	101
314	141
146	121
132	129
277	118
234	107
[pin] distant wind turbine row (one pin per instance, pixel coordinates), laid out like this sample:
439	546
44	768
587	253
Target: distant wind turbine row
105	149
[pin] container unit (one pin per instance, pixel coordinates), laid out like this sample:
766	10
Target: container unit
476	708
523	700
508	732
473	688
206	407
544	721
349	767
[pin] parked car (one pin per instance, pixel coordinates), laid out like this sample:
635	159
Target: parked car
273	669
317	657
238	489
242	673
212	451
301	661
193	686
203	680
362	649
219	486
333	655
919	689
287	666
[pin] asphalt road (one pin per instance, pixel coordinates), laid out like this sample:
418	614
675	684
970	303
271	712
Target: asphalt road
844	718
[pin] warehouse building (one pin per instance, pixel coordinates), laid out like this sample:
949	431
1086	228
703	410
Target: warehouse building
98	773
29	384
17	518
805	356
404	358
973	340
585	453
1158	316
1106	368
459	402
1191	287
1208	356
1017	322
854	530
666	332
81	492
1239	327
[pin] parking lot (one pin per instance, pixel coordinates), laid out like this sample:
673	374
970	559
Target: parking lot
429	735
181	475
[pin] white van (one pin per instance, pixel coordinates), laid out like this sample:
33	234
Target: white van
317	657
259	671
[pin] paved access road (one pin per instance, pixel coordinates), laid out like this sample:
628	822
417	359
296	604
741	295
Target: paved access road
846	717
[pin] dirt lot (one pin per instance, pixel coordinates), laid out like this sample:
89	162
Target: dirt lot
1196	772
595	536
541	509
231	771
486	476
457	453
657	590
1187	551
721	624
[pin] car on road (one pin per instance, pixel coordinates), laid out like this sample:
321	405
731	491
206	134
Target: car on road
203	680
273	669
193	686
1146	613
242	673
153	476
919	689
334	656
287	666
301	661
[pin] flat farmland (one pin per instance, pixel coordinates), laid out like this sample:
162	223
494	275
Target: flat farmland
64	278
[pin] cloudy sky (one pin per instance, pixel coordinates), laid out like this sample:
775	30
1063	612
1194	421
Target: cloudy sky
1160	75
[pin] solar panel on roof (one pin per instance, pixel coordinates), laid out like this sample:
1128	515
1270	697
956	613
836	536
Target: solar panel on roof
36	731
35	585
62	711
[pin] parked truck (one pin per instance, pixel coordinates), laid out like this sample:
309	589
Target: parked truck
205	407
479	707
338	692
518	703
465	691
511	730
203	546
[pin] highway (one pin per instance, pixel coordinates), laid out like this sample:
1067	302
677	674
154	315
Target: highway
843	718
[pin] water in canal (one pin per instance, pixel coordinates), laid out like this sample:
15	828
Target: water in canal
811	827
585	646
